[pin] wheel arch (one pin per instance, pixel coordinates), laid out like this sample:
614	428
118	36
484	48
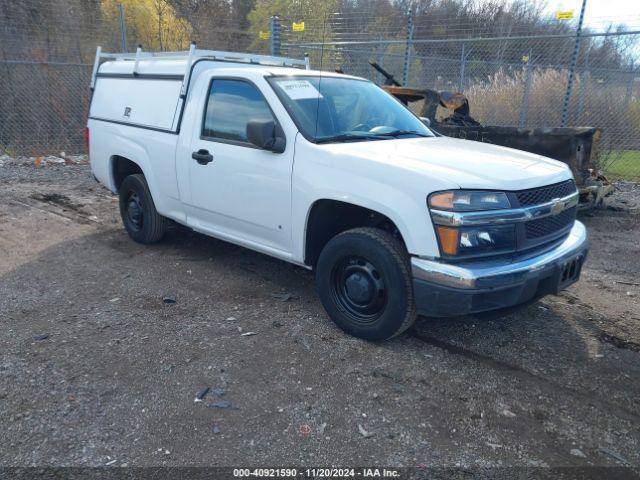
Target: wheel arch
328	217
120	168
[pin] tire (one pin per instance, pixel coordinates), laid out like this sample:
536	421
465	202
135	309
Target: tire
364	281
138	212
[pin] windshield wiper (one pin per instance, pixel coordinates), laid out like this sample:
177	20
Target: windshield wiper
345	137
397	133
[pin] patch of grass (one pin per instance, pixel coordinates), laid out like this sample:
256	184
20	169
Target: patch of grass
624	164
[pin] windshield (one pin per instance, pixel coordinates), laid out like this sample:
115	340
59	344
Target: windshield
333	109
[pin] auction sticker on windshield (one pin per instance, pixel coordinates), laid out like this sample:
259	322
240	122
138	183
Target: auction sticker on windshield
299	89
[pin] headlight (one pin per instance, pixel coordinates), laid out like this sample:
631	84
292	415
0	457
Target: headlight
468	241
472	241
468	200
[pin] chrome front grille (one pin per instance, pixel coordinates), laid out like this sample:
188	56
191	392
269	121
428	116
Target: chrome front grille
542	230
536	196
549	225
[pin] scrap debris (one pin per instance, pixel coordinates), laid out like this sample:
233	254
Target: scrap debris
201	394
364	432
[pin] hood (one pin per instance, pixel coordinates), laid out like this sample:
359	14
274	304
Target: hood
469	164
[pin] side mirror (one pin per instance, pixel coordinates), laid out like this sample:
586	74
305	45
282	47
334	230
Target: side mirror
426	121
265	134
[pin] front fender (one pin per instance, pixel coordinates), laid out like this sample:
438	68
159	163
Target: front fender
400	202
379	184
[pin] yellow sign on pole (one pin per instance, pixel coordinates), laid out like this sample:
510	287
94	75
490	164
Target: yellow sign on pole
566	15
525	58
264	35
298	27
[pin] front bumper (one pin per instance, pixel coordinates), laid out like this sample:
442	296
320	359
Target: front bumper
445	289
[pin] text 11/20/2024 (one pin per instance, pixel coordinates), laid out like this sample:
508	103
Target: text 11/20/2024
316	472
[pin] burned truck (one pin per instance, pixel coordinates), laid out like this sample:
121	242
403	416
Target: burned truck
575	146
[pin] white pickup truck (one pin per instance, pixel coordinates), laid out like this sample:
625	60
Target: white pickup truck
329	172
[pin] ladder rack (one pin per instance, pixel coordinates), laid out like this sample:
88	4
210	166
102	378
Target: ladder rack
191	56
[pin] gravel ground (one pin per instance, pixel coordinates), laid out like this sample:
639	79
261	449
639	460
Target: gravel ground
105	345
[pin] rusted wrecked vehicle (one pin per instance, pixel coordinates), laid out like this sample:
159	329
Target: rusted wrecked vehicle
575	146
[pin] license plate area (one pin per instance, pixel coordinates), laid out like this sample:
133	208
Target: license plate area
570	271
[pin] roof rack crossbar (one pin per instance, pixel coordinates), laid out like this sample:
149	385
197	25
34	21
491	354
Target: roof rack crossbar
194	54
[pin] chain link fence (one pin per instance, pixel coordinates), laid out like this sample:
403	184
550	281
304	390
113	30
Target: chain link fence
47	49
517	78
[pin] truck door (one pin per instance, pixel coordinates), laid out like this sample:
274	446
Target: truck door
238	191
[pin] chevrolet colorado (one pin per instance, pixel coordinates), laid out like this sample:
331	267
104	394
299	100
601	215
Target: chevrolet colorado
329	172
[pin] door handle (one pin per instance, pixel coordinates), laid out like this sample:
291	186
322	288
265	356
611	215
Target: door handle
202	156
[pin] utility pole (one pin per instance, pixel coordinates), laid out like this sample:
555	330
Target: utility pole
408	47
123	28
274	37
572	68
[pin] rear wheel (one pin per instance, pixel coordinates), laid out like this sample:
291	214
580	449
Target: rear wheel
364	282
139	216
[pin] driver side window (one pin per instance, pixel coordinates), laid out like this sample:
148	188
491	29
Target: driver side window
230	106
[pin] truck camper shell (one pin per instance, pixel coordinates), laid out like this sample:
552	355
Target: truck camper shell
119	96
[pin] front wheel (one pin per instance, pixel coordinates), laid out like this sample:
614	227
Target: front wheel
139	216
364	282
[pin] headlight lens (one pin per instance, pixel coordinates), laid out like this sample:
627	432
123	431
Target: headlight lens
473	241
468	241
468	200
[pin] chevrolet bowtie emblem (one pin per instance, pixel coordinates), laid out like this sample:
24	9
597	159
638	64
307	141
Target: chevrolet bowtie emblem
558	207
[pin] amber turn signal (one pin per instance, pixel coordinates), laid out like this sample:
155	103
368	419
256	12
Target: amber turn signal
442	201
448	240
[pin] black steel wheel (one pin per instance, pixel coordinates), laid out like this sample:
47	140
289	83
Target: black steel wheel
139	216
134	210
358	287
364	283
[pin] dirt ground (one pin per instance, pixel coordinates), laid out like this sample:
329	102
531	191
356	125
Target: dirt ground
96	368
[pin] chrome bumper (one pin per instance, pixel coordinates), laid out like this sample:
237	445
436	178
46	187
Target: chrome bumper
487	275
